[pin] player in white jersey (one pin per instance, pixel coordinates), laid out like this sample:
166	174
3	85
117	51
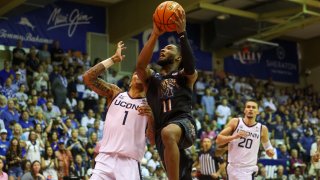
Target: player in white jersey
123	143
243	137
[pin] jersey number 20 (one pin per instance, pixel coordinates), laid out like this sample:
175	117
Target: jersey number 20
245	143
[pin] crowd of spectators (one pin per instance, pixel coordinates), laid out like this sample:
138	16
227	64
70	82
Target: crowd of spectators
49	117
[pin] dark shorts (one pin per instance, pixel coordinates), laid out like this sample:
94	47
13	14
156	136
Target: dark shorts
187	139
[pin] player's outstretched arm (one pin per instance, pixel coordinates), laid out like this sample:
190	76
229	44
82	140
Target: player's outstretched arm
92	80
266	142
226	136
188	60
145	110
146	54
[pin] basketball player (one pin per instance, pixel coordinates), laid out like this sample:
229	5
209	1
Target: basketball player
243	136
123	142
169	94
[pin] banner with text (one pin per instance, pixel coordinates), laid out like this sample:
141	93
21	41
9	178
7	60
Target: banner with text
271	166
64	21
279	63
203	59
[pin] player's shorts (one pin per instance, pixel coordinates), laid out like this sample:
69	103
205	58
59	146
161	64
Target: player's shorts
188	132
187	139
115	167
241	173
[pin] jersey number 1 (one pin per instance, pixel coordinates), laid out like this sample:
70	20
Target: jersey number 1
125	117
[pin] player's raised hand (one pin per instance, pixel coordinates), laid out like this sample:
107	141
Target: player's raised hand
270	152
180	21
145	110
118	56
241	133
157	30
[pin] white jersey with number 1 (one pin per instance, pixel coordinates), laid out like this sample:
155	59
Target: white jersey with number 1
124	129
243	152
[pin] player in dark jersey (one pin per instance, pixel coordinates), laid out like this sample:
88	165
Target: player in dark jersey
169	94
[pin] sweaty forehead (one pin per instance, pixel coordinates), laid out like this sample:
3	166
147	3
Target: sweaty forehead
251	103
171	46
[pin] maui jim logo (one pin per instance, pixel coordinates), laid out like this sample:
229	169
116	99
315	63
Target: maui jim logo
57	20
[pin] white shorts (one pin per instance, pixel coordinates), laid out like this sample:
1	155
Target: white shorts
115	167
241	173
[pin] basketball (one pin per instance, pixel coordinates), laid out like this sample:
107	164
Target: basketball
163	13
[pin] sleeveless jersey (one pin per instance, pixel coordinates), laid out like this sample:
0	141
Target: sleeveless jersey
169	97
124	129
243	152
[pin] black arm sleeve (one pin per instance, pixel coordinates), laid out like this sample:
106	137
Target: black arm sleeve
188	60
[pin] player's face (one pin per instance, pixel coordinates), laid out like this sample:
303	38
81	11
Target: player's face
167	55
251	109
136	82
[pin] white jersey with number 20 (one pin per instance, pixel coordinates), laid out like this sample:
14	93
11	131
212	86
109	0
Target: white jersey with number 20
243	152
124	129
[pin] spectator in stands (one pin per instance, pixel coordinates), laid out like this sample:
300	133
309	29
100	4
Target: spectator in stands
88	121
295	161
223	112
6	72
43	54
305	144
39	119
26	166
50	112
35	102
92	142
112	76
297	175
278	132
83	135
3	103
14	160
3	175
56	124
23	74
80	112
40	79
74	144
10	114
90	99
53	140
18	54
34	146
96	129
293	137
17	132
78	169
49	164
315	158
280	173
65	159
56	53
59	89
26	123
4	144
208	102
21	96
124	83
200	87
71	100
35	172
7	89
